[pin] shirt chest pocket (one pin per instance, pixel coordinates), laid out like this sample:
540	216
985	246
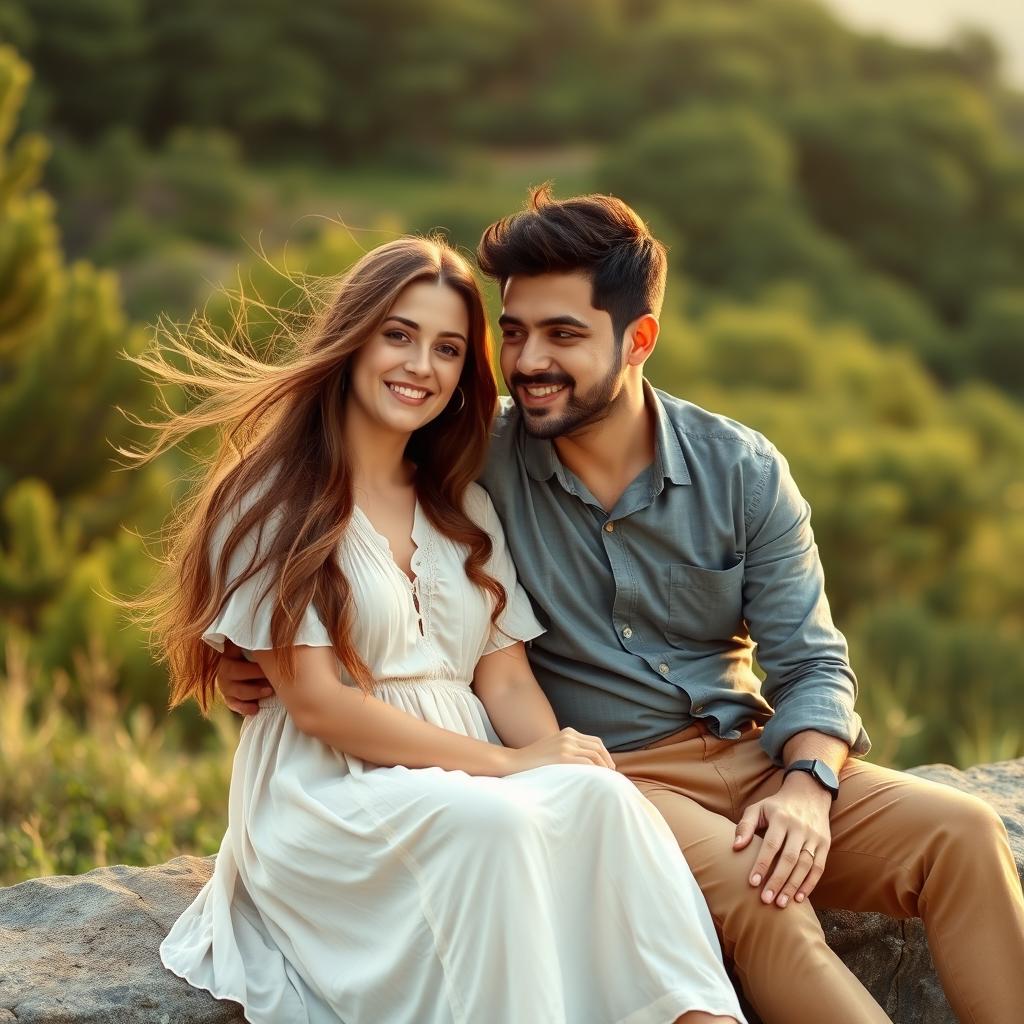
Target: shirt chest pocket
704	604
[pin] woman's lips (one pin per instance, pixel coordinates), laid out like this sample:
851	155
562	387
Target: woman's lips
408	395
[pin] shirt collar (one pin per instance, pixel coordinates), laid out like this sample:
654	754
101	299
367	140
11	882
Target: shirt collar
542	461
669	461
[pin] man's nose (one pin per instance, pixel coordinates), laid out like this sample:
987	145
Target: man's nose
533	357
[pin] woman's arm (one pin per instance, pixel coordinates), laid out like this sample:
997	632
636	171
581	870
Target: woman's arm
363	725
515	703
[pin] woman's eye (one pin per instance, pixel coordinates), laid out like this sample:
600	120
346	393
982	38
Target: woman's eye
448	350
396	335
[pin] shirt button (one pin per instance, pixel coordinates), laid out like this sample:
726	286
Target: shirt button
698	709
663	668
627	632
609	527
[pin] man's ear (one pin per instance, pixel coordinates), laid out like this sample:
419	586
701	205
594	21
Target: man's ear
641	337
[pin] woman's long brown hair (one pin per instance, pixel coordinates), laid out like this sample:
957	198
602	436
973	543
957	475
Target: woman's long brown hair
280	435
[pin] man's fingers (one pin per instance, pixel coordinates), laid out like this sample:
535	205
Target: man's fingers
770	846
797	877
242	707
746	827
240	691
231	668
788	857
813	876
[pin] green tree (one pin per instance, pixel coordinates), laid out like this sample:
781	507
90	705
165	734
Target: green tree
91	59
61	380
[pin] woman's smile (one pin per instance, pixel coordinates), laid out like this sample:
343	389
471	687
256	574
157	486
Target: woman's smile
408	394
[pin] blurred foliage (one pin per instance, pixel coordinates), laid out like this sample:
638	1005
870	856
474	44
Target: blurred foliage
846	221
770	140
114	787
62	385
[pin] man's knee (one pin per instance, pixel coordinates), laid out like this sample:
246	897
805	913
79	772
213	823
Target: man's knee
970	824
723	875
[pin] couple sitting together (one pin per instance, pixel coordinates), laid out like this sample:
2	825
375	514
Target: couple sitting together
505	758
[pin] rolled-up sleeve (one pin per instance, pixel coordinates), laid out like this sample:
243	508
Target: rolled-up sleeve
808	679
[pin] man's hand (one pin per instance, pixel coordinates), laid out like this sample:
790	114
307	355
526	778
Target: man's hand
797	838
241	682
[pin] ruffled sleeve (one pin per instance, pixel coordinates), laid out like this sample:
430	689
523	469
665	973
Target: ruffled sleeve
244	617
517	621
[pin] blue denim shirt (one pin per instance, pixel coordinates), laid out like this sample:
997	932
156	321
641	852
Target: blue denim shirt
653	611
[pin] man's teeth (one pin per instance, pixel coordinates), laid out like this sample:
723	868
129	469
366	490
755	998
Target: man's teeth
546	389
408	392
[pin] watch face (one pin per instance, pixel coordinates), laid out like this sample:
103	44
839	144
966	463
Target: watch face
827	776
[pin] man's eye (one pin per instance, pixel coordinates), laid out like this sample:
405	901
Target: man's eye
510	335
562	335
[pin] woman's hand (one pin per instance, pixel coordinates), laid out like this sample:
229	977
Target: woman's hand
565	747
241	682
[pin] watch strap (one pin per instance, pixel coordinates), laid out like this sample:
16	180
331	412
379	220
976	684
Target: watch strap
813	768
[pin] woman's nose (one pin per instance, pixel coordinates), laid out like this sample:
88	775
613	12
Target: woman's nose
418	360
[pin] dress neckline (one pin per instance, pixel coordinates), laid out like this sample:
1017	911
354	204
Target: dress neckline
416	536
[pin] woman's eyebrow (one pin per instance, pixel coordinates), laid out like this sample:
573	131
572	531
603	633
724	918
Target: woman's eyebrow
415	326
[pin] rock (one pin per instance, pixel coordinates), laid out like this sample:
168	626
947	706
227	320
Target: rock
891	957
83	949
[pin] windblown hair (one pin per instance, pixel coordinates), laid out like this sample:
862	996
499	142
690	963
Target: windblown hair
280	433
598	235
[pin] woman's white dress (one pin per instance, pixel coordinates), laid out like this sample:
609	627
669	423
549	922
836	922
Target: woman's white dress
347	891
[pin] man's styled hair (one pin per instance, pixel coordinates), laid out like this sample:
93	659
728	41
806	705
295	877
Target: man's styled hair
598	235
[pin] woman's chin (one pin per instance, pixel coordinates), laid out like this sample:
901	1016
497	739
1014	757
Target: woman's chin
407	420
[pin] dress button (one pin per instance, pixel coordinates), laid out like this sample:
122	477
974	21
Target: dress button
609	527
627	632
663	668
698	709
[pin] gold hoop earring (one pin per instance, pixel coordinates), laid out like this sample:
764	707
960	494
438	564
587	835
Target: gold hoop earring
462	401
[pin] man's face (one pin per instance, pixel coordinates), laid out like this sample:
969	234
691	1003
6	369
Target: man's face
558	353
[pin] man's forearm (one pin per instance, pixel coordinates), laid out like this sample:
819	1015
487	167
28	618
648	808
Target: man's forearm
809	744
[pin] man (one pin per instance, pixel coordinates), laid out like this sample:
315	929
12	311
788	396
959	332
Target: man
659	542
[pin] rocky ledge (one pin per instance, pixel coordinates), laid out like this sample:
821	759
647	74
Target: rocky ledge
82	949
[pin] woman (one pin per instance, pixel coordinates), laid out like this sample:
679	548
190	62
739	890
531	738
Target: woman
388	858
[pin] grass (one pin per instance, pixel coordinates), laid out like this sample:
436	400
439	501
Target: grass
121	787
116	788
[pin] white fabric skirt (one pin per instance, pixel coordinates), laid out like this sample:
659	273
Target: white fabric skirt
345	891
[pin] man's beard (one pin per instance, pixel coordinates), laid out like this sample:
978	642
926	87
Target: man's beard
580	411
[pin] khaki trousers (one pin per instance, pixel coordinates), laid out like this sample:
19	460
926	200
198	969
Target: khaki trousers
900	845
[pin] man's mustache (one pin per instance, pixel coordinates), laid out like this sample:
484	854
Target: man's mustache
520	380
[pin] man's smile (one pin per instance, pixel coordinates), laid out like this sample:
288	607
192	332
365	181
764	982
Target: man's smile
536	396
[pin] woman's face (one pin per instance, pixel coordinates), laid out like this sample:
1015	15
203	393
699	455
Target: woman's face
407	373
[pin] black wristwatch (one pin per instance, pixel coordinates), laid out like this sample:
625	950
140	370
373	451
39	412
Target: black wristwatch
824	775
